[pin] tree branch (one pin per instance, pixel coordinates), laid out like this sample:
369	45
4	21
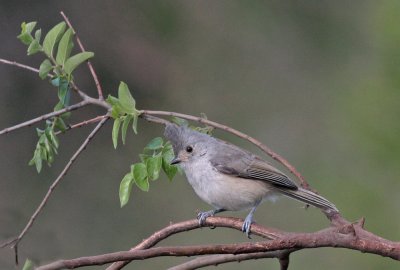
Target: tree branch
13	63
92	71
234	223
15	241
204	261
83	123
284	261
350	236
45	116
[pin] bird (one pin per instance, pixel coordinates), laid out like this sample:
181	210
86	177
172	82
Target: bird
230	178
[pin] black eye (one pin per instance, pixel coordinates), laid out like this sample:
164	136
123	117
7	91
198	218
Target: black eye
189	149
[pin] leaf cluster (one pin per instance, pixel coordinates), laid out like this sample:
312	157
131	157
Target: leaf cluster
57	46
46	147
57	39
157	156
124	112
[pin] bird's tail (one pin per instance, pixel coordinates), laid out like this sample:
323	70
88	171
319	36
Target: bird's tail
309	197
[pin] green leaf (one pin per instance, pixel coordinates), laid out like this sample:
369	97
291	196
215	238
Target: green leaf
26	30
65	47
25	38
115	112
167	156
60	124
115	131
74	61
180	121
125	98
34	47
125	189
155	144
54	139
139	172
37	159
29	27
28	265
52	37
125	126
170	170
45	68
56	81
63	92
38	35
144	157
58	106
134	123
114	102
153	165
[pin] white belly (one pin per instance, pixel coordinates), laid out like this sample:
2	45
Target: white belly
223	191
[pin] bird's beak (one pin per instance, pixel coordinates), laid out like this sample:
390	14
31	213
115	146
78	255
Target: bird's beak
175	161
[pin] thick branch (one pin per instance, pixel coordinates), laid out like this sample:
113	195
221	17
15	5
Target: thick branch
350	236
45	116
234	223
92	71
54	185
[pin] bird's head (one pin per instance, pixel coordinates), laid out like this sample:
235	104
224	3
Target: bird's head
189	145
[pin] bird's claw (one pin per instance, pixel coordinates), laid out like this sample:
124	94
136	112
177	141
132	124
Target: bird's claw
246	227
202	216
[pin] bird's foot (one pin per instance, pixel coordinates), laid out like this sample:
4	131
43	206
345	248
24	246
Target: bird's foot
202	216
246	226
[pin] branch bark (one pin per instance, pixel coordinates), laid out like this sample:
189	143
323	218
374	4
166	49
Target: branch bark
205	261
233	223
92	70
45	117
350	236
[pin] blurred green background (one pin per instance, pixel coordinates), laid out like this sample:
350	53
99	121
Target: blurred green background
317	81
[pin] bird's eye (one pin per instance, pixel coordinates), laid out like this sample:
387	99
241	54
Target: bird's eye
189	149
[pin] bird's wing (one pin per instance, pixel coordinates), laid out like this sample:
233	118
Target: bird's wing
234	161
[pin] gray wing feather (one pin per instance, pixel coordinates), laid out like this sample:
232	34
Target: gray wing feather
231	160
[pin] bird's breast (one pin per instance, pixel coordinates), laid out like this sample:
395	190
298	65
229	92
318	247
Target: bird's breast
222	190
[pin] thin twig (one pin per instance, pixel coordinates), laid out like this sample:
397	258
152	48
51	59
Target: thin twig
13	63
45	116
284	260
204	261
54	185
92	71
263	147
83	123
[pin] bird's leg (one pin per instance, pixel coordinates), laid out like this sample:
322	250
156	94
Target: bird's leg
201	216
248	220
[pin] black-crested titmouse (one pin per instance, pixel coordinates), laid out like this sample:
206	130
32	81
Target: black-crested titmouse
231	178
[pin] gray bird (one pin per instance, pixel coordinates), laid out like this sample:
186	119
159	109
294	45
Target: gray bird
231	178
